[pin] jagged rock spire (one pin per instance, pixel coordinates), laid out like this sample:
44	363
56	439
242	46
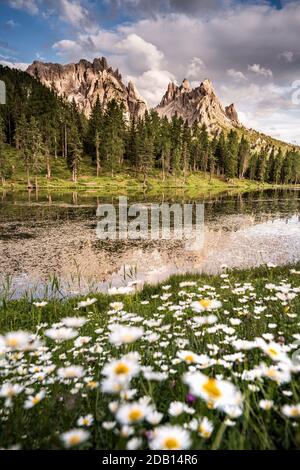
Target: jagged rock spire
85	82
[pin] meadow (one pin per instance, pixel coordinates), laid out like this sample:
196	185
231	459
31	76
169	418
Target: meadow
199	362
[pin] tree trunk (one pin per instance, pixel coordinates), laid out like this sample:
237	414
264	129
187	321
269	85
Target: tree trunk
48	166
55	147
74	174
28	178
97	154
66	142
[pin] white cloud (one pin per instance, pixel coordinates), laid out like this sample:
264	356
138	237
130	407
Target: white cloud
195	68
259	70
152	84
28	5
287	56
67	48
236	75
14	65
141	55
73	12
11	24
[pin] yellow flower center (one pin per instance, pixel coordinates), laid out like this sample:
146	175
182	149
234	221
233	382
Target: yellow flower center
135	415
204	432
171	443
35	400
189	358
212	390
295	412
121	368
74	440
128	338
272	352
92	384
12	342
205	303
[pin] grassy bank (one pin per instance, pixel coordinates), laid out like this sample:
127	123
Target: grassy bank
119	375
123	181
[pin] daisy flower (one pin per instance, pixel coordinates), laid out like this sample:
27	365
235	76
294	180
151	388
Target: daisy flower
132	413
266	404
188	356
85	420
124	334
61	334
205	428
20	341
291	411
40	304
122	369
86	303
203	305
34	400
170	438
74	322
117	306
74	437
71	372
9	390
217	393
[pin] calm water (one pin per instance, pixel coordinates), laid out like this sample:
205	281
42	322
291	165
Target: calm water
42	236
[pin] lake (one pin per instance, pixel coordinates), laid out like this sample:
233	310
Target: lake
49	237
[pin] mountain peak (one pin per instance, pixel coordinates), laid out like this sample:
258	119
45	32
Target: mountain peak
231	112
207	87
186	85
200	105
86	81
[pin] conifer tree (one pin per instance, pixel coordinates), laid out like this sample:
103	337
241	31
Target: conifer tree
220	154
4	164
244	154
204	148
74	151
231	157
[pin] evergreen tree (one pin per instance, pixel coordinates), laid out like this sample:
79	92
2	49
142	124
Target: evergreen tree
244	155
231	156
74	151
270	168
5	168
287	168
186	146
95	134
204	148
220	154
278	167
114	135
261	173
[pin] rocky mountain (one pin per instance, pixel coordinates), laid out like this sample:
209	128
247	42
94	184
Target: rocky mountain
199	104
84	82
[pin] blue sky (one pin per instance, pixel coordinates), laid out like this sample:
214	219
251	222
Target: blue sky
249	49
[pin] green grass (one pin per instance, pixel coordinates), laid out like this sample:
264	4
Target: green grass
42	425
125	181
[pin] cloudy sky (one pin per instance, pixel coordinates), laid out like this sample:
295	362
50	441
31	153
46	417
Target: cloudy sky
249	49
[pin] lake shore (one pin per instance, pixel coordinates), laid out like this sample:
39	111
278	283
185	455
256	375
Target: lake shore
125	183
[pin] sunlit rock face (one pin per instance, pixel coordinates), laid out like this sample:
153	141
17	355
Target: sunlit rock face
84	82
199	104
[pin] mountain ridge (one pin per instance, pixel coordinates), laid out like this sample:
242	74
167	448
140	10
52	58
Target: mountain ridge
86	81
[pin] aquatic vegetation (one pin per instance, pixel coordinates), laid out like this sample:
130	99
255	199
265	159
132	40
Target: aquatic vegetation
198	363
